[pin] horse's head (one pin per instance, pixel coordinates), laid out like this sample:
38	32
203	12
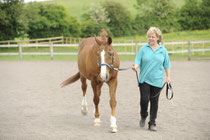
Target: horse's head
105	59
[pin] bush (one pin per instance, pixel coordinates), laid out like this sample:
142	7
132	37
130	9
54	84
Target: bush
49	20
205	14
89	28
11	20
190	15
158	13
120	19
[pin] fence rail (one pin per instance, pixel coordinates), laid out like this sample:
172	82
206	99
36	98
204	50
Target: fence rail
51	52
53	40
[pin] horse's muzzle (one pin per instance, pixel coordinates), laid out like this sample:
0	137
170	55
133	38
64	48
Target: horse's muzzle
104	78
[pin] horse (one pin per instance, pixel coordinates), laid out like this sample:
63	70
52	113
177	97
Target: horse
97	62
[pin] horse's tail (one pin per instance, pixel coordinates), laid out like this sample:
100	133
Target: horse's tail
71	79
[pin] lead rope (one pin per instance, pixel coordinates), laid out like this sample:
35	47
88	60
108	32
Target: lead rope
122	69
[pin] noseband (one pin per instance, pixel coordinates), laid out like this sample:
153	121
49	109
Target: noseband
111	66
105	64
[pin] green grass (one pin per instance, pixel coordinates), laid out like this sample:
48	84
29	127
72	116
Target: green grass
181	56
194	56
78	7
173	36
127	57
9	58
39	58
188	35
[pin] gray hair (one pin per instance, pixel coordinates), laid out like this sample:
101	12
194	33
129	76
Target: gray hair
156	31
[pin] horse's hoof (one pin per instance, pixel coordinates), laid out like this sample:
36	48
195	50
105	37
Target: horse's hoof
84	111
114	129
97	122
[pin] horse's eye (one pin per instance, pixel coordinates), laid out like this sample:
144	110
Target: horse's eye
111	53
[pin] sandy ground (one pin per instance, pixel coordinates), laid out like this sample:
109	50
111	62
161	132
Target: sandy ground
34	107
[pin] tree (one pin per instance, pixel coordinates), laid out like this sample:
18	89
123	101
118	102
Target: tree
190	16
159	13
94	21
120	19
49	20
98	14
89	28
205	14
12	22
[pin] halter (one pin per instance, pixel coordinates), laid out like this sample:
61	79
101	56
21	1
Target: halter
105	64
111	66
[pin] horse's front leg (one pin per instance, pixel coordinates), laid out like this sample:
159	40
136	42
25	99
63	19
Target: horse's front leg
112	91
96	99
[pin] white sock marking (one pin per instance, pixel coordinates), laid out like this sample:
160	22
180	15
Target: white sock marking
113	121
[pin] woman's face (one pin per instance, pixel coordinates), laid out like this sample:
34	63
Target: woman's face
152	39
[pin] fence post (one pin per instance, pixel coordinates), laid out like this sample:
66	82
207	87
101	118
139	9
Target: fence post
8	44
20	52
189	50
51	51
62	39
36	44
136	44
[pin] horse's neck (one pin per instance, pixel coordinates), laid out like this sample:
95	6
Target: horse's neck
93	50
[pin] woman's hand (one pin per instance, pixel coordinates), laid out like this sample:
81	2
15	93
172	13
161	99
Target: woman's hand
168	80
134	67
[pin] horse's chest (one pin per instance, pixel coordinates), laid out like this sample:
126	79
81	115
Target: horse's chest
89	73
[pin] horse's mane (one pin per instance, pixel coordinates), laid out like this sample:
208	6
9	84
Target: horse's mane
103	35
103	38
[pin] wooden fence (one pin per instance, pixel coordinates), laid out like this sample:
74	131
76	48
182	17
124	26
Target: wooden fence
51	40
57	40
51	46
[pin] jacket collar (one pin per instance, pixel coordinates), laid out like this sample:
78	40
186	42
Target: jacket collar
160	45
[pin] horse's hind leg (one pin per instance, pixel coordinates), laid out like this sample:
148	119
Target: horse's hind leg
84	109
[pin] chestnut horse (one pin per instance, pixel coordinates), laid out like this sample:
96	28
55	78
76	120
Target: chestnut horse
97	62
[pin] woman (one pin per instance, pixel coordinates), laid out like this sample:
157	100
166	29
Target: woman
152	58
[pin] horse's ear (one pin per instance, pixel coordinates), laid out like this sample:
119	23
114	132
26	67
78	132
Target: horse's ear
109	41
97	40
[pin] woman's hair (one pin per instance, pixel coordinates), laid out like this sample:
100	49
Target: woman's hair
156	31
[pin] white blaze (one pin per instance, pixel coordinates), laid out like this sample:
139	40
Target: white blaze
103	68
